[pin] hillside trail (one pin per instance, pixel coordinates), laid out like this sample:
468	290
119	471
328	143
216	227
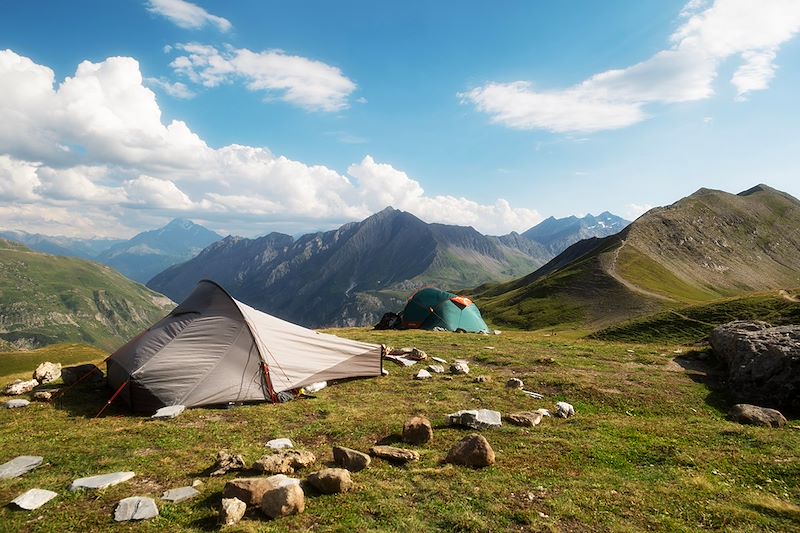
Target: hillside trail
786	296
611	270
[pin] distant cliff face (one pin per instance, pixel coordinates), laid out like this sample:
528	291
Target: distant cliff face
351	275
558	234
46	299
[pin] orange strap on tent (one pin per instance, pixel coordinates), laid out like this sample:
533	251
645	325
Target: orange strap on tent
272	396
113	397
461	301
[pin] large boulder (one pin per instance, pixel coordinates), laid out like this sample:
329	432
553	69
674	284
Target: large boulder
283	501
47	372
87	374
250	490
20	387
756	416
331	480
473	450
417	430
763	362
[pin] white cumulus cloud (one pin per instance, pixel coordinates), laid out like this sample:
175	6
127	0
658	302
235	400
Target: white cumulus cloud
751	32
187	15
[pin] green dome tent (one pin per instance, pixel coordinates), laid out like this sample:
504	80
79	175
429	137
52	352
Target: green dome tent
430	307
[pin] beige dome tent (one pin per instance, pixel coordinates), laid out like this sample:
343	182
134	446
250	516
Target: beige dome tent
212	349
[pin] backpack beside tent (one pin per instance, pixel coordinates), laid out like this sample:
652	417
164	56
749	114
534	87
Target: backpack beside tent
213	349
433	308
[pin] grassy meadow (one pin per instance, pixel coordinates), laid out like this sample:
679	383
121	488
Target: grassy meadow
649	448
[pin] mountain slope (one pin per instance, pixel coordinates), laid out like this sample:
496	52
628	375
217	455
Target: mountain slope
351	275
47	299
57	245
706	246
148	253
557	234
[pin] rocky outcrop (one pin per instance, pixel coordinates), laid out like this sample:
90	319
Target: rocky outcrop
753	415
763	362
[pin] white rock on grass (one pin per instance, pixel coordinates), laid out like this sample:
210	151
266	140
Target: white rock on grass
135	508
515	383
439	360
279	444
180	494
170	411
20	387
435	369
17	404
423	374
232	511
564	410
19	466
476	418
47	372
33	499
100	482
459	366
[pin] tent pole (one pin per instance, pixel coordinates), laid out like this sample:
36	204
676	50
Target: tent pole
113	397
272	396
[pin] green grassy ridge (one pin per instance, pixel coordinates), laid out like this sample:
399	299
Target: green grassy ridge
22	362
649	449
693	323
48	299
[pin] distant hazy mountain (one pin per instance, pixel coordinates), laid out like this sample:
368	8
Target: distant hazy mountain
558	234
57	245
351	275
704	247
45	299
148	253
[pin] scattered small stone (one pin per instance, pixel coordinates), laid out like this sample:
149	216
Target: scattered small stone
102	481
33	499
196	483
439	360
546	361
417	355
279	444
331	480
531	394
515	383
525	418
181	494
231	511
473	450
482	379
630	351
20	387
250	490
19	466
283	501
353	460
42	396
475	419
423	374
88	374
417	430
497	332
397	455
564	410
226	463
284	461
488	347
436	369
754	415
384	372
544	412
47	372
135	508
459	366
401	360
17	404
170	411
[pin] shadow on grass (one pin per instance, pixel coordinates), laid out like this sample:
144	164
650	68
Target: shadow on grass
701	367
86	401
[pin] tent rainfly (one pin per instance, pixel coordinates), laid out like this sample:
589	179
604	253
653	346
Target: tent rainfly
213	349
431	308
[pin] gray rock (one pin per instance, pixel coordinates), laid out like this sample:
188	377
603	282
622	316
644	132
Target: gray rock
250	490
47	372
756	416
459	366
283	501
564	410
423	374
515	383
19	466
33	499
393	454
231	511
20	387
525	418
473	450
331	480
476	419
17	404
42	396
436	369
180	494
170	411
763	362
439	360
227	462
101	481
285	461
135	508
87	374
279	444
417	430
353	460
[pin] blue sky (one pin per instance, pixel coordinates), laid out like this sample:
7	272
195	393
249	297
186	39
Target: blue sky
252	116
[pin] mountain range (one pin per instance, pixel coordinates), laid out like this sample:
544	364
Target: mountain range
707	246
46	299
